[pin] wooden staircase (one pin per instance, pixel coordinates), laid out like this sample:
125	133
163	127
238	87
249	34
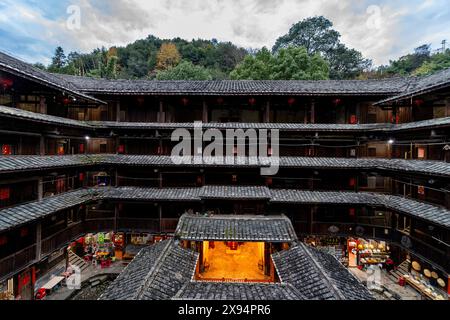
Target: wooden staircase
75	260
398	272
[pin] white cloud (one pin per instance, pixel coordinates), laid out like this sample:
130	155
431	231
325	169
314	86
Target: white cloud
252	23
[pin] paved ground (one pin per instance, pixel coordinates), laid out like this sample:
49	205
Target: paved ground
64	293
406	292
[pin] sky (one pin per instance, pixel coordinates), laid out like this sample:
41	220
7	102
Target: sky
381	29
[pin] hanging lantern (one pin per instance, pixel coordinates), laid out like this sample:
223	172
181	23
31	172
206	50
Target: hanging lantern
6	150
252	101
419	102
337	102
352	182
269	181
220	100
353	119
81	148
121	149
184	101
351	212
5	193
291	102
6	83
66	101
81	176
23	232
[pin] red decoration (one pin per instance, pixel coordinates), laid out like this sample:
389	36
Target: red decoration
6	83
353	119
351	212
66	101
269	181
23	232
81	176
81	148
121	149
337	102
395	119
5	193
352	182
6	150
252	101
199	180
291	101
3	240
419	102
220	101
185	101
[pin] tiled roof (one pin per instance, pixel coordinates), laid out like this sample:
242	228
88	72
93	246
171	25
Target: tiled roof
40	117
238	87
235	228
422	85
165	271
32	162
155	274
317	276
300	127
235	192
238	291
126	286
25	70
23	213
421	210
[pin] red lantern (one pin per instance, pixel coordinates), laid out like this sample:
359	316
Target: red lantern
252	101
291	101
66	101
337	102
6	150
3	240
419	102
185	101
351	212
220	100
121	149
352	182
6	83
5	193
81	148
81	176
269	181
353	119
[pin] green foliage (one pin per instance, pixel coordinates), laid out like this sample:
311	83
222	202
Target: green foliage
437	62
291	63
317	37
185	70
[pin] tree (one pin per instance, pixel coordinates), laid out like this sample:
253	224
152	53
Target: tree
437	62
257	67
317	37
185	71
168	56
58	60
291	63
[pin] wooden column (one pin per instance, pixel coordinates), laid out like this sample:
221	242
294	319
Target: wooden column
160	179
160	218
116	217
161	116
38	241
42	145
313	111
42	105
267	113
118	111
205	112
40	189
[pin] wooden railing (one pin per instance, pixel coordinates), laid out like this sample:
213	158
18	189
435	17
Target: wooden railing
17	260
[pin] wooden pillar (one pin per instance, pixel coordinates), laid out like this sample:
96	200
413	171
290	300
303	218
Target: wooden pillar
19	147
118	111
311	219
205	112
40	189
38	241
160	179
160	218
116	217
313	111
42	145
267	113
42	105
161	115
